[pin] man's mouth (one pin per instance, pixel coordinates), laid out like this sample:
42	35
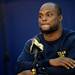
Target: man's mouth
45	26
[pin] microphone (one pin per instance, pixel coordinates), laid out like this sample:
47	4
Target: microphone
36	46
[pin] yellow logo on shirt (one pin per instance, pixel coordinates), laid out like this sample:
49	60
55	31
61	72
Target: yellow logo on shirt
61	53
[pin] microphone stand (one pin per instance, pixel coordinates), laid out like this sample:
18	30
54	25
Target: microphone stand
34	72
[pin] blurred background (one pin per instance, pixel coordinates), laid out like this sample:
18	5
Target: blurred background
19	22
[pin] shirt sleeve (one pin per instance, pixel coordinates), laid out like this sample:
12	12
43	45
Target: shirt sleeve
71	52
59	71
24	61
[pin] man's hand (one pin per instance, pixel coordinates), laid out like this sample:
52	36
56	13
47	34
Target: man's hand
62	61
28	72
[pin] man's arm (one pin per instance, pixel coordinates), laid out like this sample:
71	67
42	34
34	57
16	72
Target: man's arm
62	62
24	61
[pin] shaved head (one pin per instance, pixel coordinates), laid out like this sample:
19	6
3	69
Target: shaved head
47	5
51	5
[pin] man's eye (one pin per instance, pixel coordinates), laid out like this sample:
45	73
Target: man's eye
40	16
49	14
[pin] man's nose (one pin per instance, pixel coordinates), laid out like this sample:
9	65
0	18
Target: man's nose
44	18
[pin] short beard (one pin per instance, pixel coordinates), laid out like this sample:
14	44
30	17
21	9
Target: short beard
50	30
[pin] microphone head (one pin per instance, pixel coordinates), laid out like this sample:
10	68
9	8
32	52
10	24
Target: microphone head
36	45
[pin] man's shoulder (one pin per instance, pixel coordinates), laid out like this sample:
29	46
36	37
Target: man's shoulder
69	34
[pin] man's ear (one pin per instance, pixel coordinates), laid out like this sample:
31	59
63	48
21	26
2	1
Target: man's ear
60	18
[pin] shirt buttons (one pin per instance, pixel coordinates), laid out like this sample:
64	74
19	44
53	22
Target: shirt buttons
37	65
43	68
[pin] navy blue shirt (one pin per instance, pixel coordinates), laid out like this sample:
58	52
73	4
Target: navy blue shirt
66	43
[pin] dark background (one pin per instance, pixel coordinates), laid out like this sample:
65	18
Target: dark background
18	23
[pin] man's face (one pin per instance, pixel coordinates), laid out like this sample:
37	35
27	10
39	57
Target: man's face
48	19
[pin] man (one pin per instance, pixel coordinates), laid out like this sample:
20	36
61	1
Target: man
56	50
